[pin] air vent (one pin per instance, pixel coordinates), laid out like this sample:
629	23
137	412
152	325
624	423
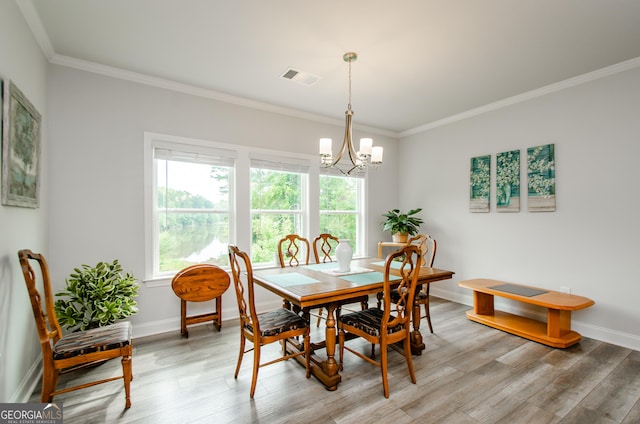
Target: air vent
300	77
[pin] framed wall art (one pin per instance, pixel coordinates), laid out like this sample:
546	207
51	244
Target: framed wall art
508	181
541	178
480	183
20	149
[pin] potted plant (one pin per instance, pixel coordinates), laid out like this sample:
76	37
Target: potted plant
402	225
96	296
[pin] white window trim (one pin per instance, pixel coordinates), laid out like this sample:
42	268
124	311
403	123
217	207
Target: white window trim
240	202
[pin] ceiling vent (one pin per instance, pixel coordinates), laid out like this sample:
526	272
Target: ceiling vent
300	77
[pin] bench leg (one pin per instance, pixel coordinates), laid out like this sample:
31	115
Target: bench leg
558	323
482	303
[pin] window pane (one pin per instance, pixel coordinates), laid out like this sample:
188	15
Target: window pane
338	193
189	238
267	230
192	185
341	209
273	191
342	226
192	213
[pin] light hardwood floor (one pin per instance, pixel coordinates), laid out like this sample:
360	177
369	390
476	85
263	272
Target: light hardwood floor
469	373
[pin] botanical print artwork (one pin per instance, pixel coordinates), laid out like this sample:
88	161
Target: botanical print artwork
541	175
508	181
480	182
20	149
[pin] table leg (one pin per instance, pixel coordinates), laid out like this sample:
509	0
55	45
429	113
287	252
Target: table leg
330	366
323	368
417	345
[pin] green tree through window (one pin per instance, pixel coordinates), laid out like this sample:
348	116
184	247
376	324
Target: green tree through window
276	210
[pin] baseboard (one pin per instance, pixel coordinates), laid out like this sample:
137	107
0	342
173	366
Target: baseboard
630	341
173	324
603	334
29	383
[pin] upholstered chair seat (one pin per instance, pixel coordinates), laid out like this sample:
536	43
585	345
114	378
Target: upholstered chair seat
278	321
114	336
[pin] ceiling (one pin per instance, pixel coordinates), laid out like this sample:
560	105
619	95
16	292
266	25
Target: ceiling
420	61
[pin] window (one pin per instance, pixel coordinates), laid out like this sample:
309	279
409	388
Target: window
201	196
192	207
341	210
278	204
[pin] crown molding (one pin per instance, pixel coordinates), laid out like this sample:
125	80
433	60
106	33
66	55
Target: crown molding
140	78
42	38
35	25
551	88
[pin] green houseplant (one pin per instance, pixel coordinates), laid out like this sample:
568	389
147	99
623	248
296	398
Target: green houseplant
402	224
96	296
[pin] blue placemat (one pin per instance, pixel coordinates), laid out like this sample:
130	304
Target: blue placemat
366	278
290	279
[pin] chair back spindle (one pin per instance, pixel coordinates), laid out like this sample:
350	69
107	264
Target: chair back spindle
323	247
293	250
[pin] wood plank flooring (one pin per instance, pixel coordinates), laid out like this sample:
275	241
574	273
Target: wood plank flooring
469	373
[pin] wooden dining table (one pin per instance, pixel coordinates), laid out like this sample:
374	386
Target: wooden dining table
320	285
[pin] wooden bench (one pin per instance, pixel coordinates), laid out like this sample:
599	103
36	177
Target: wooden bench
555	332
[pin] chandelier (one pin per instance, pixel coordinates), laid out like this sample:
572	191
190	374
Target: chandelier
368	155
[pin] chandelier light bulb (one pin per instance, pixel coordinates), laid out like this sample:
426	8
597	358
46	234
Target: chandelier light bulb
325	146
365	146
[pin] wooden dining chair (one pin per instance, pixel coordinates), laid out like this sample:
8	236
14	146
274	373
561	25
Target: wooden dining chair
200	283
390	325
80	349
278	325
428	246
322	250
293	250
323	247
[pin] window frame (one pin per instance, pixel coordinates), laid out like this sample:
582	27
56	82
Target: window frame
240	193
288	165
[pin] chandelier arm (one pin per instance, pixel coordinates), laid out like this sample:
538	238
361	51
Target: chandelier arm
346	143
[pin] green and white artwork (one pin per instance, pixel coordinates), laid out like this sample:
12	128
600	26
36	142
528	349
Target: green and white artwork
480	183
20	149
541	176
508	181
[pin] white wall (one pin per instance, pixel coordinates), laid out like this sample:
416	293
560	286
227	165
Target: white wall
92	191
97	126
590	243
22	62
